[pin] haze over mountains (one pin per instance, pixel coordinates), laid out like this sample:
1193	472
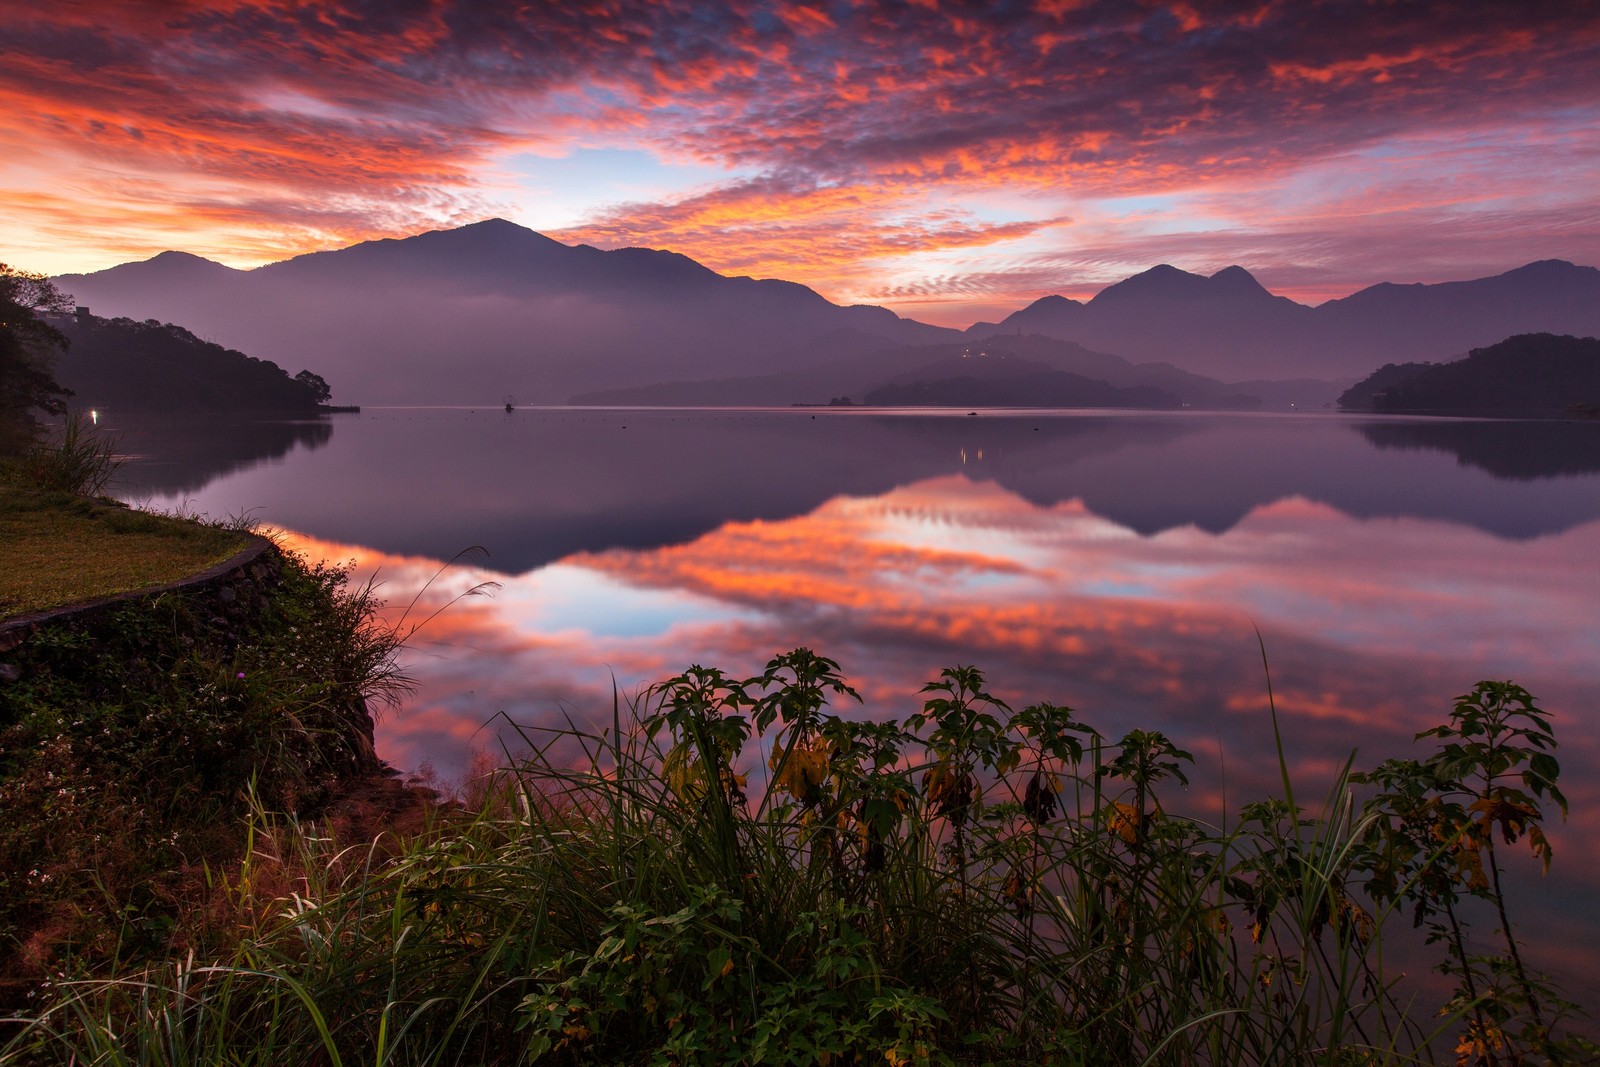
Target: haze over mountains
471	314
1228	326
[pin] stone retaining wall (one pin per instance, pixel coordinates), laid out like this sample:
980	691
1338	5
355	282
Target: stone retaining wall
224	604
236	588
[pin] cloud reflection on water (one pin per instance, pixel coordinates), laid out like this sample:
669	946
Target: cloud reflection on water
1371	626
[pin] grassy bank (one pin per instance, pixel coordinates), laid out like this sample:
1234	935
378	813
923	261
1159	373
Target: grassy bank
132	746
135	738
975	885
61	543
59	548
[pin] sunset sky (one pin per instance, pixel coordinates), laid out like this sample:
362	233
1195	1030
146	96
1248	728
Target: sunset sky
951	161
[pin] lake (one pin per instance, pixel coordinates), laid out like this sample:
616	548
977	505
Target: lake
1122	563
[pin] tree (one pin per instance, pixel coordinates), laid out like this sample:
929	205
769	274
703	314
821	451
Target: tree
315	383
28	347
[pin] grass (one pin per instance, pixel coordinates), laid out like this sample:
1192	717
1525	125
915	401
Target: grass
57	548
61	543
975	885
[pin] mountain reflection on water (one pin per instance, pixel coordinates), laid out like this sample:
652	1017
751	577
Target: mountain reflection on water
1506	449
1121	564
168	455
535	486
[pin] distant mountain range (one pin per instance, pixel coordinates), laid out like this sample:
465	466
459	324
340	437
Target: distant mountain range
1001	381
1228	326
472	314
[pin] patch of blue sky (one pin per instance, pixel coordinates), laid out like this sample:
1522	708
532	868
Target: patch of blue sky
976	578
564	597
1161	204
1113	589
1163	213
552	192
970	578
992	207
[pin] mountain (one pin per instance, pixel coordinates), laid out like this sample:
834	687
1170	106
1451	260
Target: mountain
1225	325
1228	326
1421	322
1536	375
471	314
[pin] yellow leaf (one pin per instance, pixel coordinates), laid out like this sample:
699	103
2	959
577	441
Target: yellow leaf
1125	822
1513	818
683	773
1540	845
804	771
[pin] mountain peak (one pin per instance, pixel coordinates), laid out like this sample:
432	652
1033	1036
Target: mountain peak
1548	268
168	266
1054	301
173	256
497	230
1237	279
1161	282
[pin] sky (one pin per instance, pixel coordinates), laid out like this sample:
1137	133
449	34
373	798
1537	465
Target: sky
952	161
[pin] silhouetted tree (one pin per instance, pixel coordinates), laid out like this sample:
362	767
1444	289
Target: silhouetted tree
314	382
28	347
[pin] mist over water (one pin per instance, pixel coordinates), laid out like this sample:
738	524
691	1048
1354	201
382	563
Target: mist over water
1120	563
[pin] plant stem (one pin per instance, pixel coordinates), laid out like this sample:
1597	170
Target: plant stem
1516	954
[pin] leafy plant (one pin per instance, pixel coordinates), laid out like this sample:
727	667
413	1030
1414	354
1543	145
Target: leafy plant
1433	847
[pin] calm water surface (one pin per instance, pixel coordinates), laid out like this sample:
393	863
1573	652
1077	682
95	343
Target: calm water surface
1119	563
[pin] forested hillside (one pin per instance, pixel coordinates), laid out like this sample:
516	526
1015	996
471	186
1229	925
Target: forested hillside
156	366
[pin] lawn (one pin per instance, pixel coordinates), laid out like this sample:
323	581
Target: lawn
57	548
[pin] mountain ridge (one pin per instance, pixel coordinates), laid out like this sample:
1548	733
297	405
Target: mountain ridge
475	312
471	313
1228	325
